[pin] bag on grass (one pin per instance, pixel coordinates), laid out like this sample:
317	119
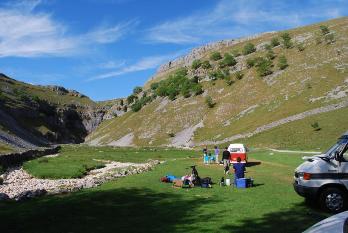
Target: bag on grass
164	179
178	183
206	180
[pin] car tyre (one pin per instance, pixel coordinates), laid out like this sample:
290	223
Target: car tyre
333	200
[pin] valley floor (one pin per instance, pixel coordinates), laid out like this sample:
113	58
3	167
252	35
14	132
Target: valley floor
141	203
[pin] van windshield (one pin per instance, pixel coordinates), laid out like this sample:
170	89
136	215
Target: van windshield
338	146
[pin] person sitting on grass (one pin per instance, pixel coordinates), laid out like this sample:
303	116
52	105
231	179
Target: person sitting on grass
239	169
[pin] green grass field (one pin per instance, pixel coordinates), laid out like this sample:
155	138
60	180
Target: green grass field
141	203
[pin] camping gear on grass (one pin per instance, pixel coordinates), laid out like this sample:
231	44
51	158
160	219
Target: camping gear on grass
178	183
206	182
228	182
164	179
244	182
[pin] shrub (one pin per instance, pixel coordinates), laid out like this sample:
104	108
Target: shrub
131	99
249	48
286	40
227	61
125	108
324	29
215	56
2	170
263	66
154	86
121	102
137	90
275	41
195	79
1	180
250	62
171	135
178	83
209	101
300	47
270	55
229	81
214	75
196	64
329	38
282	62
235	53
315	126
206	65
239	75
136	106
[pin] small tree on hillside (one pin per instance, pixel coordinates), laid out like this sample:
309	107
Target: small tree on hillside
275	42
239	75
137	90
215	56
227	61
206	65
300	47
324	29
209	101
263	67
249	48
286	40
282	62
196	64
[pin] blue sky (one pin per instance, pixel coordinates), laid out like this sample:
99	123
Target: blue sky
104	48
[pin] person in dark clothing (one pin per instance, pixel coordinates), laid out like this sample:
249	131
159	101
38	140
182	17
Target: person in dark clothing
226	159
239	169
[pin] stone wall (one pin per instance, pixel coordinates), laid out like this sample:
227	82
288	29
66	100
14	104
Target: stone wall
14	159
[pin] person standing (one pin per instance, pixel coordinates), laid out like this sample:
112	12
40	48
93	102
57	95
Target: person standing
216	152
226	159
205	154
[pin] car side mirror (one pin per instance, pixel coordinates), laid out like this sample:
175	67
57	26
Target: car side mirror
337	156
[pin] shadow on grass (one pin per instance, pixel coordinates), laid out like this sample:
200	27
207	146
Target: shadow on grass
295	219
119	210
251	164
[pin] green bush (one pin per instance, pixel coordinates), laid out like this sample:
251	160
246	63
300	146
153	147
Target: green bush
270	55
282	62
275	41
250	62
137	90
131	99
217	74
196	64
209	101
263	66
125	108
249	48
140	103
154	86
235	53
300	47
178	83
121	102
286	40
229	81
227	61
315	126
215	56
171	135
324	29
206	65
239	75
329	38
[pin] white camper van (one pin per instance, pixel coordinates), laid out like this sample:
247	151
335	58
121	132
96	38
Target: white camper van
324	177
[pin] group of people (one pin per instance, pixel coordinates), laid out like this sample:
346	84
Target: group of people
208	157
239	168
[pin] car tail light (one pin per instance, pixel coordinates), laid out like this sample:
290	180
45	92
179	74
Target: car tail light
306	176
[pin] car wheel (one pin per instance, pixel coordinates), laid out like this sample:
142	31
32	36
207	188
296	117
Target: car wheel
333	200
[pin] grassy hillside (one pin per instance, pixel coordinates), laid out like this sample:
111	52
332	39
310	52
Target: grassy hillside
244	98
39	115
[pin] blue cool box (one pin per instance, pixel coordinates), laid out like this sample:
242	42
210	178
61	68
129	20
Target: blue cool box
242	183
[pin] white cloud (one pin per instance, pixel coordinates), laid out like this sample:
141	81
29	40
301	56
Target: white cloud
239	18
25	33
145	63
